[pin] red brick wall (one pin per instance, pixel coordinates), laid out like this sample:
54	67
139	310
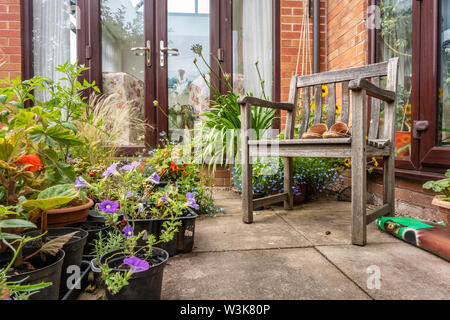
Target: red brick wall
346	28
291	28
10	41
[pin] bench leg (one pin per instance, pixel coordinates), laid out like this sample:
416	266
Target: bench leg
389	184
288	182
247	193
359	202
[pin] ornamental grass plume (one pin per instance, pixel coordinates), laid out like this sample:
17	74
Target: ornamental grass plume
102	128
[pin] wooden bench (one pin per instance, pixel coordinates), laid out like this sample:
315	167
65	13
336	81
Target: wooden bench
367	139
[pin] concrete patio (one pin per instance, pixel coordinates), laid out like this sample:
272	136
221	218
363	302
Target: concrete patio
302	254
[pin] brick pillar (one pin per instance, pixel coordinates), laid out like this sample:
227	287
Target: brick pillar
10	39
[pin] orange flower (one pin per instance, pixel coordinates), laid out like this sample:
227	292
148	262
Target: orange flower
174	167
32	160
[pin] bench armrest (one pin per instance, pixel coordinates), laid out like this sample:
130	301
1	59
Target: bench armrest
266	104
372	90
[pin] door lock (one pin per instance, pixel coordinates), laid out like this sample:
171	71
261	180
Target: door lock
171	52
419	128
147	51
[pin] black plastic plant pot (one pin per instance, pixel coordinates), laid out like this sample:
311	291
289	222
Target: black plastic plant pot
95	216
48	271
94	229
185	236
80	284
155	227
73	249
96	273
162	184
145	285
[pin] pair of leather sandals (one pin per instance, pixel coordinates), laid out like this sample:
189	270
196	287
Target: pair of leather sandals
320	131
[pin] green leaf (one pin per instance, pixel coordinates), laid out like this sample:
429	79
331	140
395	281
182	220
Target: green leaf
24	119
53	197
54	136
63	190
70	126
48	204
16	223
3	98
9	236
447	174
29	288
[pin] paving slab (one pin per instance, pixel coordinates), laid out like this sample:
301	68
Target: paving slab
406	272
322	225
292	274
228	232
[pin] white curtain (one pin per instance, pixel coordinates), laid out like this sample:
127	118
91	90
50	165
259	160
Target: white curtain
51	37
257	25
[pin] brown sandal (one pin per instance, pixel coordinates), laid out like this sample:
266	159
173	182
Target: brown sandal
316	132
339	130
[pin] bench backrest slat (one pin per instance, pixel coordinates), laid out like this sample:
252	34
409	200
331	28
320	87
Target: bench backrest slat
316	82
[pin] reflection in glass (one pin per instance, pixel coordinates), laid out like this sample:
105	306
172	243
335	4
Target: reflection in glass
123	70
444	75
189	94
395	41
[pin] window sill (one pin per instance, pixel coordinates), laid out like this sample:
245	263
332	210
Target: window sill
414	174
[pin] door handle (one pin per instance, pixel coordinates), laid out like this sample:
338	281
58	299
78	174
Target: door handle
419	128
171	52
141	51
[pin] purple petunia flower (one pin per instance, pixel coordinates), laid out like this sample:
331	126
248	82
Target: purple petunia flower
130	167
128	231
155	178
136	264
80	183
165	198
130	194
192	202
109	206
111	171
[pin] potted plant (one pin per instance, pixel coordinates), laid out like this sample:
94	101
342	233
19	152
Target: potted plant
46	201
442	201
32	258
21	286
135	272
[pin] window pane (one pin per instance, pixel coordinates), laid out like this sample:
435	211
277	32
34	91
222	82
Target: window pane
203	6
189	94
181	6
123	71
444	75
252	43
395	41
54	37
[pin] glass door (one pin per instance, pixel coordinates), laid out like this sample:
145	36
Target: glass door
183	76
126	66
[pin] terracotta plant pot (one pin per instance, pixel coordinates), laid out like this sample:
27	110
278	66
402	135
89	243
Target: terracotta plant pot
58	218
444	209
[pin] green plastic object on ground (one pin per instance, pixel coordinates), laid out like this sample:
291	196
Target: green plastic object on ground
430	236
